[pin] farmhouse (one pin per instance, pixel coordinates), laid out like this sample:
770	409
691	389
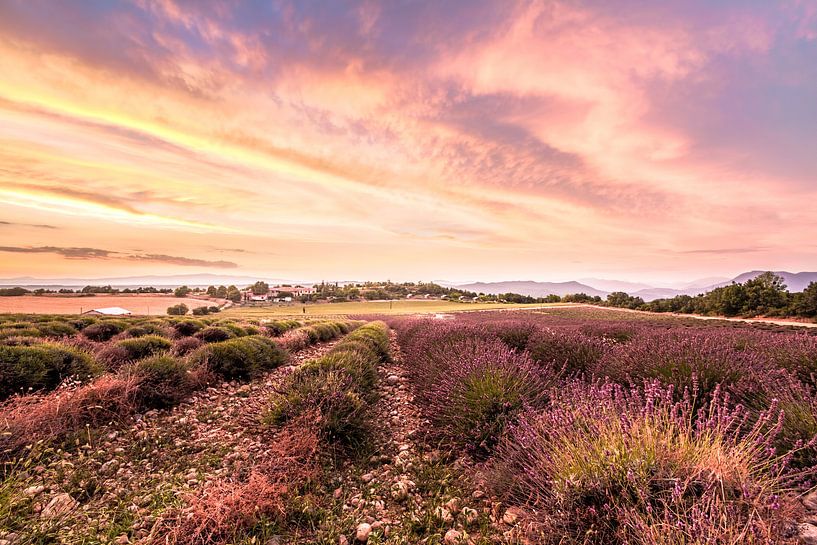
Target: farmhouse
278	293
109	311
296	291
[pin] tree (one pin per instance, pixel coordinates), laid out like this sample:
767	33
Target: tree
765	292
260	288
181	291
806	304
233	294
212	291
177	310
624	300
221	292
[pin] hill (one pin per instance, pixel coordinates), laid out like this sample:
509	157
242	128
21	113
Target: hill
532	289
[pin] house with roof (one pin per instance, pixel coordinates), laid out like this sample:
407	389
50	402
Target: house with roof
108	311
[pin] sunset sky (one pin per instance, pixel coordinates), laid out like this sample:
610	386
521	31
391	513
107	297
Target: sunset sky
462	140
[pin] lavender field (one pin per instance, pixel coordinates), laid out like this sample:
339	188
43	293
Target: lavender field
594	430
517	427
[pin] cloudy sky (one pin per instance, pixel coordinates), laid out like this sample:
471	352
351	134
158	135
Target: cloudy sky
408	140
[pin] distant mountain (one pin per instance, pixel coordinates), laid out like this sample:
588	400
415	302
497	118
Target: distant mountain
614	285
705	283
651	294
531	288
794	281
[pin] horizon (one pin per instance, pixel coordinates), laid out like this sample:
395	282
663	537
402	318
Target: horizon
487	140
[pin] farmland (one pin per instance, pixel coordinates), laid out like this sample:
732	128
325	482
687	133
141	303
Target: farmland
155	305
555	425
401	306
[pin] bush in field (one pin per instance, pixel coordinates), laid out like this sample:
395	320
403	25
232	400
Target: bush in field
795	353
81	322
142	347
339	387
177	310
164	381
103	330
41	367
235	329
19	332
699	361
568	350
242	358
344	414
278	328
185	328
610	465
56	329
481	388
613	331
185	345
515	334
214	334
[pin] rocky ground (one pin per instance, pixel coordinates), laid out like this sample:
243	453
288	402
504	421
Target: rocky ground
405	492
111	485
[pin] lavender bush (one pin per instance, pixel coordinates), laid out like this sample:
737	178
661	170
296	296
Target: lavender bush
610	464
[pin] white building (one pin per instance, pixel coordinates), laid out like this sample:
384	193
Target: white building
109	311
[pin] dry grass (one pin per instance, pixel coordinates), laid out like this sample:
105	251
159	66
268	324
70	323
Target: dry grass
25	420
226	509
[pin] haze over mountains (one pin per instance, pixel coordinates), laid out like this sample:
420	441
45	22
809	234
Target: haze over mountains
591	286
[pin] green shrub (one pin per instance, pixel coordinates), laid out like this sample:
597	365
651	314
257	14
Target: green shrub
214	334
178	310
137	331
164	381
344	414
41	367
103	330
339	387
81	322
9	332
233	328
186	328
142	347
56	329
241	358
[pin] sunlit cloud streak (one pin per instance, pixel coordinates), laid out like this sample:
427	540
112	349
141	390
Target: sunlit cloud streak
540	138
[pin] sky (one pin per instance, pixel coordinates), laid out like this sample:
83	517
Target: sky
409	140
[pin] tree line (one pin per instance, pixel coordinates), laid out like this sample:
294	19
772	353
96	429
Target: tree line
764	295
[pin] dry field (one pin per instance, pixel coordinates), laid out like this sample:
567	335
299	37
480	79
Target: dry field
154	305
397	307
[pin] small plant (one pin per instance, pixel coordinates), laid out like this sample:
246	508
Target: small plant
41	367
615	465
104	330
142	347
338	388
164	381
214	334
177	310
185	328
565	349
185	345
242	358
